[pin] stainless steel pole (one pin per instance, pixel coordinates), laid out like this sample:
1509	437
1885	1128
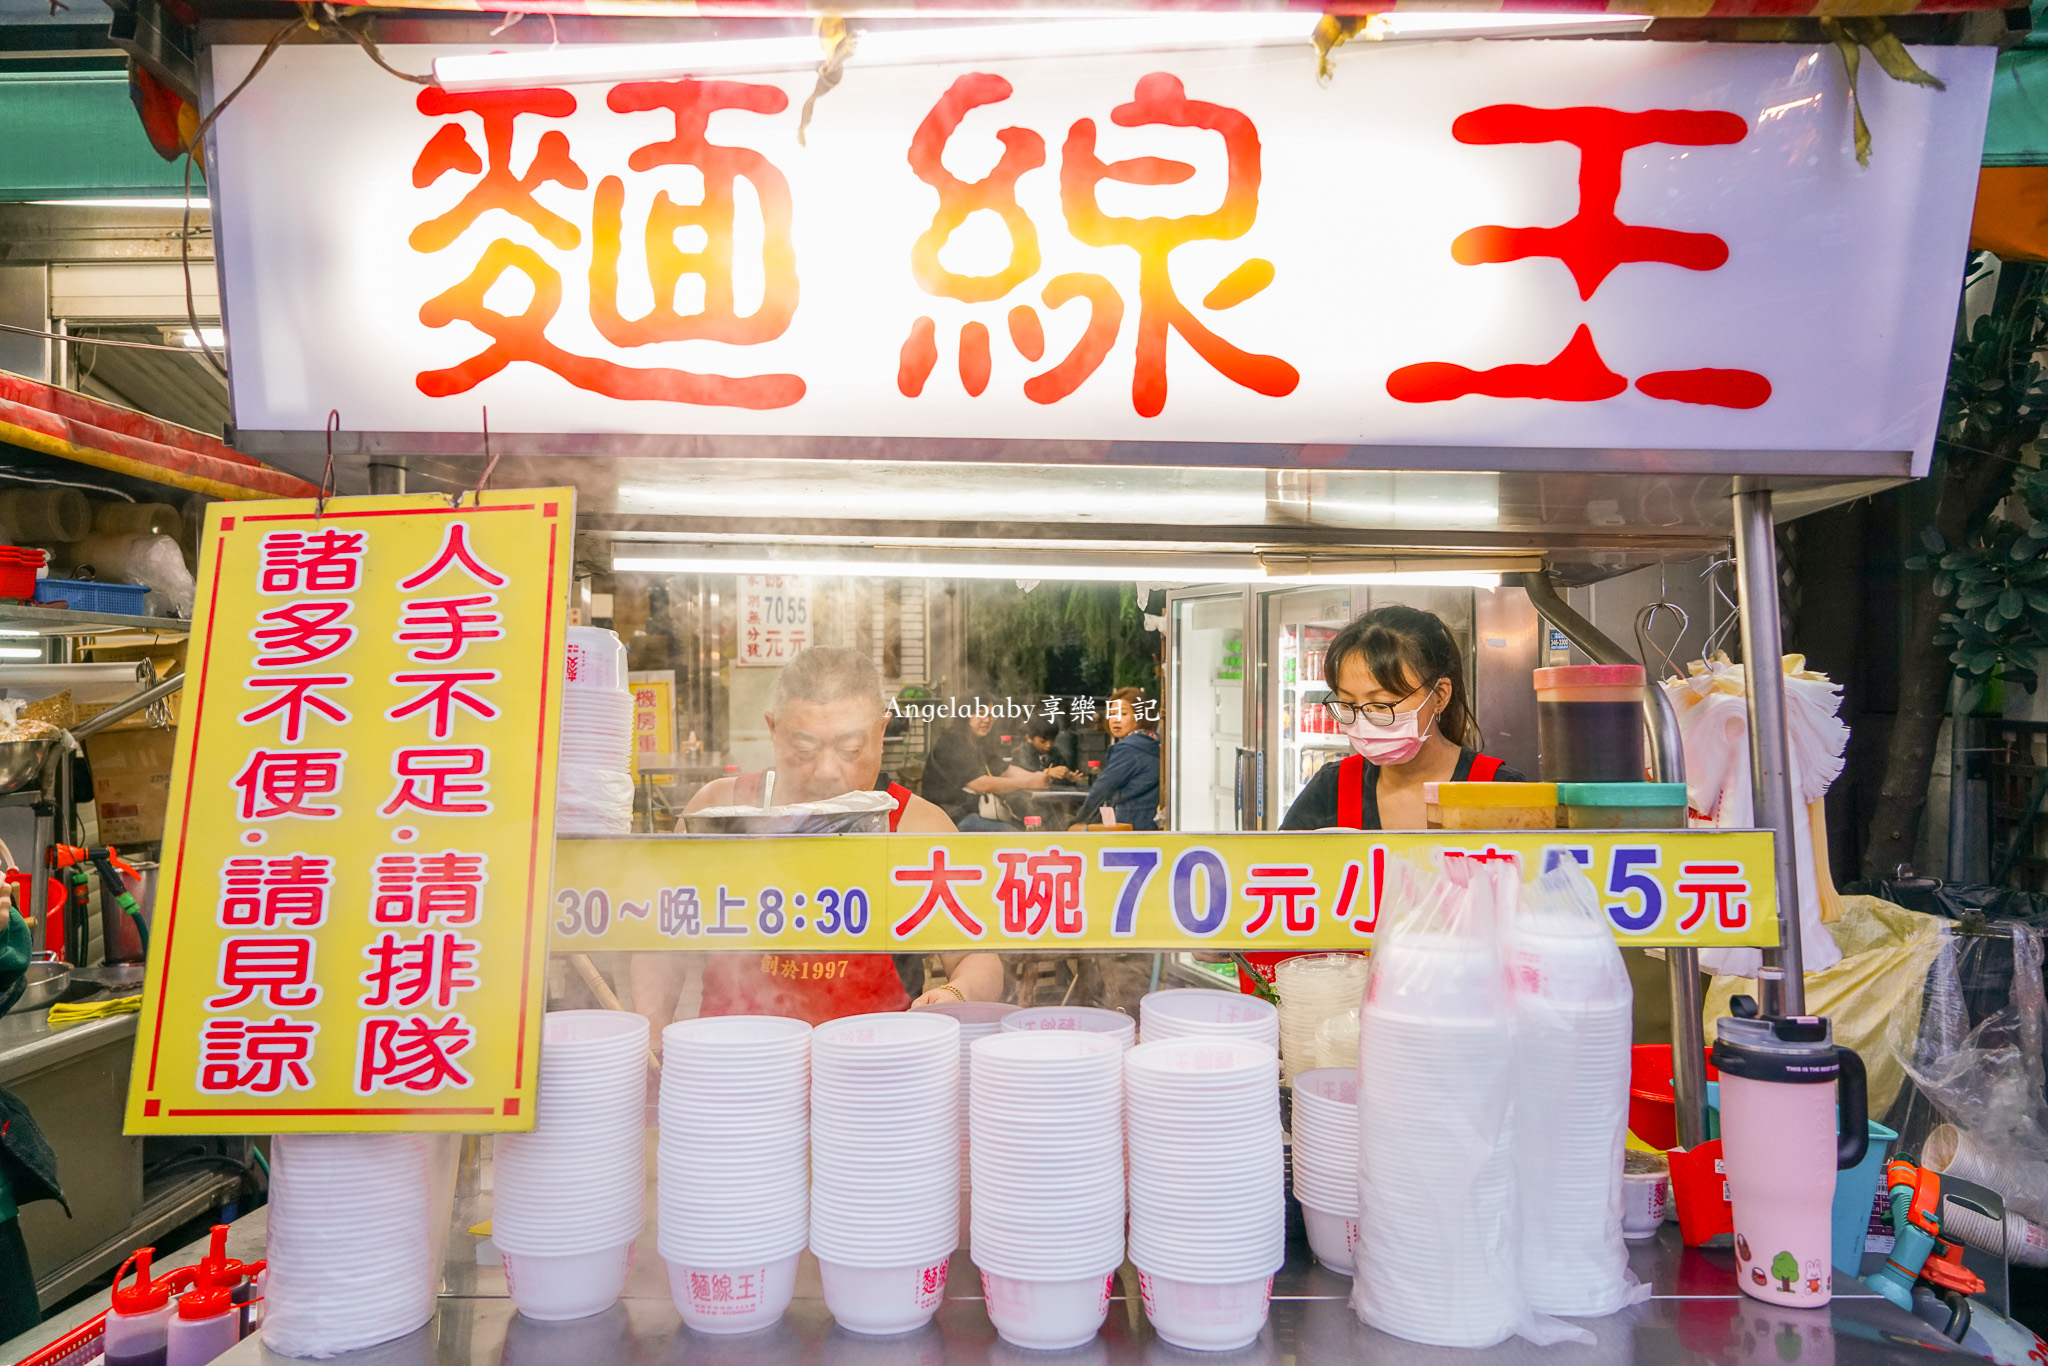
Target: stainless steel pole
1763	649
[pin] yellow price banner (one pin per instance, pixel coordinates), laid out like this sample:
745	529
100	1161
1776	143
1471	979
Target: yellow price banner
352	930
1243	892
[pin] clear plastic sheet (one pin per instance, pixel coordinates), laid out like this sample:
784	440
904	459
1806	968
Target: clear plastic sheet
1988	1082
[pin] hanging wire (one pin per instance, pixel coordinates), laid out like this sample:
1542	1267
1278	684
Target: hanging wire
327	472
192	147
490	464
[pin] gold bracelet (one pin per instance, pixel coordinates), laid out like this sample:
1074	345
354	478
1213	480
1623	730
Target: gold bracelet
958	995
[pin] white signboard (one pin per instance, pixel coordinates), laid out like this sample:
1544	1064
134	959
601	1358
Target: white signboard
775	619
1657	249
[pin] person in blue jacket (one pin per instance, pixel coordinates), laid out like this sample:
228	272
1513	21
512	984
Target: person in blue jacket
1129	779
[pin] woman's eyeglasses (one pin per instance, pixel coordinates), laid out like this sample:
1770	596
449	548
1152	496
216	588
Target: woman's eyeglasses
1378	713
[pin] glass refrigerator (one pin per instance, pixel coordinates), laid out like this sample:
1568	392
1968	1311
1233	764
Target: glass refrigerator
1249	663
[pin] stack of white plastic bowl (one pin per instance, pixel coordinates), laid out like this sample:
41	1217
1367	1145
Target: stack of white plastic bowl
1207	1012
1208	1198
978	1020
594	783
1325	1161
734	1162
1314	988
1086	1019
1048	1135
1573	1020
885	1166
351	1243
569	1196
1436	1255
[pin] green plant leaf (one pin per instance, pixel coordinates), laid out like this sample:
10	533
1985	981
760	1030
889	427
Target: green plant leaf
1931	538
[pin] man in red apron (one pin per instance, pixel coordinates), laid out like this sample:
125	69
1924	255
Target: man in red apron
825	720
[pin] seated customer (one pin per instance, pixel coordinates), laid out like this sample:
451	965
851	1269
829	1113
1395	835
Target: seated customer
1129	778
1049	750
964	766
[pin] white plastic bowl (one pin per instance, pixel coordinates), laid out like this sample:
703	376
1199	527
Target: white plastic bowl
1206	1318
882	1301
573	1287
733	1298
1332	1237
1048	1316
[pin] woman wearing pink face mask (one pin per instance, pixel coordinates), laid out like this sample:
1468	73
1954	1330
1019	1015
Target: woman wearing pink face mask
1397	692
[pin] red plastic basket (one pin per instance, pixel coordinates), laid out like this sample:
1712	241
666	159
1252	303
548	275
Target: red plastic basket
18	566
1652	1109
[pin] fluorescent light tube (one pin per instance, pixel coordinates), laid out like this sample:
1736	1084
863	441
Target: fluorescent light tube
176	202
1162	571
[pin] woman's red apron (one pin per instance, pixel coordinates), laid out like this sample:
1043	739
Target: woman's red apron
1350	815
813	987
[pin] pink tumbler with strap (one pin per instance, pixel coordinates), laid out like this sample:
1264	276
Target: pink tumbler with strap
1785	1131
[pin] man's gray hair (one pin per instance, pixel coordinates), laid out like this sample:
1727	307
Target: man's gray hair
825	674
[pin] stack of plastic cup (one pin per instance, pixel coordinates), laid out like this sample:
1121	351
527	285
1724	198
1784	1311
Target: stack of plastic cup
1436	1257
1048	1134
734	1163
1208	1196
1314	988
594	785
1325	1161
978	1020
569	1196
1087	1019
885	1166
1337	1040
1573	1022
1187	1012
351	1244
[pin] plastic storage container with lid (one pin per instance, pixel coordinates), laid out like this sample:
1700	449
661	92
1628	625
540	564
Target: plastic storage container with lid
1589	723
1490	806
136	1331
1621	806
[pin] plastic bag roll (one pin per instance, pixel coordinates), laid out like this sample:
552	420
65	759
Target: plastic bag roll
85	682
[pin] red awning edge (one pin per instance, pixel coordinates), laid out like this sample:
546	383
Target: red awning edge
52	421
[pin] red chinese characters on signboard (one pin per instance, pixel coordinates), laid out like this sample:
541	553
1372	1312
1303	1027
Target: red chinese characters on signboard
1592	244
274	902
499	189
1159	100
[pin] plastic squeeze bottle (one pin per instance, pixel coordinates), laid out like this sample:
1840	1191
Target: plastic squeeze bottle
208	1323
136	1330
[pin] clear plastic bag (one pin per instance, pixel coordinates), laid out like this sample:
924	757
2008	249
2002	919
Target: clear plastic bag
1438	1257
1989	1082
1573	1013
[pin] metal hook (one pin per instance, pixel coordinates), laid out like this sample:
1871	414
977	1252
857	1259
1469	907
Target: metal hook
327	473
1645	642
1728	624
490	464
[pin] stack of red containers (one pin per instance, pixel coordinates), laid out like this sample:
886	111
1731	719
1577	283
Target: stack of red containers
18	566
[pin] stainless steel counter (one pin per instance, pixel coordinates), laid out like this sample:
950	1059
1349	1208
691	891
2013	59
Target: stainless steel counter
1696	1318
